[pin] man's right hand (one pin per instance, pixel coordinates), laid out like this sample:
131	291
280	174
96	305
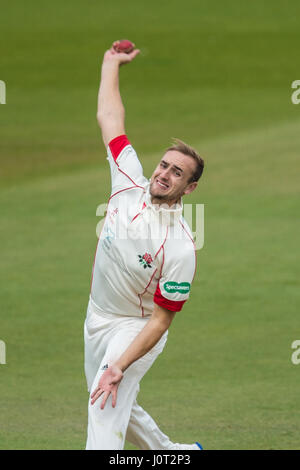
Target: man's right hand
119	57
111	112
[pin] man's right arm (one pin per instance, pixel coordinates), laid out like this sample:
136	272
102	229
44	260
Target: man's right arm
111	112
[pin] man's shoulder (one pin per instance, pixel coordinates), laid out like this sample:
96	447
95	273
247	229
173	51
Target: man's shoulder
130	193
187	232
180	244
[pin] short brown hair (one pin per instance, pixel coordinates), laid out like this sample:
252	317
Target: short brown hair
186	149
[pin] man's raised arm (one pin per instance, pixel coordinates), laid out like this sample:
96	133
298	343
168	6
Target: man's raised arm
111	112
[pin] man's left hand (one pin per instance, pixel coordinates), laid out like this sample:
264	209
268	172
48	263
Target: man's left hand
108	384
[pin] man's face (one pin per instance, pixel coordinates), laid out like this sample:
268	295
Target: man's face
170	180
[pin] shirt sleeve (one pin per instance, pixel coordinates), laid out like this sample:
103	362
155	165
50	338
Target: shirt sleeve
126	169
178	270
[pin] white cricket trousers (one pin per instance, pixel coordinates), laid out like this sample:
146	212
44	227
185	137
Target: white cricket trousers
106	337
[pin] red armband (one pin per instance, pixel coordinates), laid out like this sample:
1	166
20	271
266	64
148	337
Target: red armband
117	145
172	305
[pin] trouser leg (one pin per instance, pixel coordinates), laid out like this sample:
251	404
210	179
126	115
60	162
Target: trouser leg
143	431
107	428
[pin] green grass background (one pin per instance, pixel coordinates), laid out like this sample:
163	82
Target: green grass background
217	75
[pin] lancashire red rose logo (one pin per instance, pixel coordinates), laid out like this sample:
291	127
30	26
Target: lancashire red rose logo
146	260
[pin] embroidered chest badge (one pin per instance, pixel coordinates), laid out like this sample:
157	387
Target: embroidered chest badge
146	260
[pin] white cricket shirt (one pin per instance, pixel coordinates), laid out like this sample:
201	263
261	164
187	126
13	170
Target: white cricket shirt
145	254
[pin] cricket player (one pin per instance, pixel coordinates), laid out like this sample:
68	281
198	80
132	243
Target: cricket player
144	265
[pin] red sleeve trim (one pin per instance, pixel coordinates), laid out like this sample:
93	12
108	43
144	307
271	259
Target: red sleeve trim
174	306
117	145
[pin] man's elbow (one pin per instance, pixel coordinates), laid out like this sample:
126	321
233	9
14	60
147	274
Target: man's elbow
109	117
110	127
100	118
163	317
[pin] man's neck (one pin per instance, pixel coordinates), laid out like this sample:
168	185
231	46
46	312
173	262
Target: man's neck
160	202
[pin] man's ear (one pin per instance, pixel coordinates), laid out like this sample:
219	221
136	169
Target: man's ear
191	187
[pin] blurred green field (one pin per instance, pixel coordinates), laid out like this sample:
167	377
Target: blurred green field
217	75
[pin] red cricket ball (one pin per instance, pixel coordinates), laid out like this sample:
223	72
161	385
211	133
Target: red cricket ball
124	45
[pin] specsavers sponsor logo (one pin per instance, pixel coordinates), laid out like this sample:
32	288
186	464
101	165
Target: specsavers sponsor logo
173	287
